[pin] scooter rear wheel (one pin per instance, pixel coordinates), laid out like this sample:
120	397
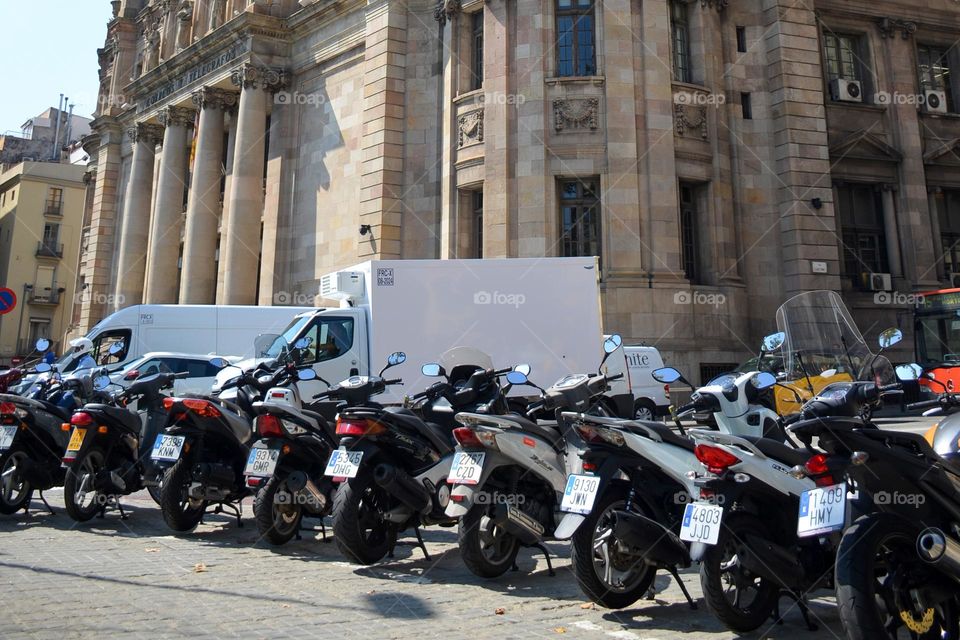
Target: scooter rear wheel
180	512
15	492
361	533
487	550
726	582
278	517
607	577
80	497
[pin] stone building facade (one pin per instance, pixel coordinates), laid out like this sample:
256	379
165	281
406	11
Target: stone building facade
717	156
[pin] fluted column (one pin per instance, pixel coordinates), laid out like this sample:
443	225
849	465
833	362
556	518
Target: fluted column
240	239
131	262
168	212
198	278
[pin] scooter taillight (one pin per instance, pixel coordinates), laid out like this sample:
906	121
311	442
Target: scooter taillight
81	419
588	433
818	469
716	460
358	427
199	406
470	439
7	409
268	426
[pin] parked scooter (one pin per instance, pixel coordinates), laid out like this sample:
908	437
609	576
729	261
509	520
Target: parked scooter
106	456
898	564
32	437
286	464
205	445
393	462
510	472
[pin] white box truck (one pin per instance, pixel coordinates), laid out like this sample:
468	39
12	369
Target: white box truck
544	312
224	330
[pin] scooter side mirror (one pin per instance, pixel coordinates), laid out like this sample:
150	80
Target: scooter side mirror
523	368
100	383
764	380
42	344
432	370
890	337
302	343
907	372
774	341
219	363
612	343
43	367
666	375
116	348
306	374
517	377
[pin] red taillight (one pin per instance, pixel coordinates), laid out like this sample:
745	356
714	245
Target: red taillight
269	426
8	408
817	465
588	434
467	438
666	392
167	404
714	459
199	406
358	427
81	419
589	466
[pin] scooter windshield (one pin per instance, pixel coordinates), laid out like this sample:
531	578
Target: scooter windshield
822	337
465	356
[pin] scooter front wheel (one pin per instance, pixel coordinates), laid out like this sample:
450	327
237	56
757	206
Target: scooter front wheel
487	549
607	576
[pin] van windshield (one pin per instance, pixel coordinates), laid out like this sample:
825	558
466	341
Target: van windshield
288	336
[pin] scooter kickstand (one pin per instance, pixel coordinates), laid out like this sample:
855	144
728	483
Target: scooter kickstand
804	611
423	547
683	587
546	554
46	504
123	516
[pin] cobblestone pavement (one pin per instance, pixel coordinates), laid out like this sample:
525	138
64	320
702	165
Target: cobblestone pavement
111	576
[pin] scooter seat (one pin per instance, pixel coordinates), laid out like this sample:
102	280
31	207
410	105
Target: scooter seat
666	434
548	432
778	451
440	437
126	419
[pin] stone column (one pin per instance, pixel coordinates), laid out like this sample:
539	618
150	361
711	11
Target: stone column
198	277
161	285
225	213
131	262
890	232
498	215
240	240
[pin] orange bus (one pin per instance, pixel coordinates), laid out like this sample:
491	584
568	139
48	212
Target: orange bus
937	337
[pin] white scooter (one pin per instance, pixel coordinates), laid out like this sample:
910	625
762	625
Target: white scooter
509	472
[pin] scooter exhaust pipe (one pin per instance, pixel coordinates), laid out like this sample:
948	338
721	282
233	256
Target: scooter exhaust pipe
650	540
939	550
518	524
402	486
306	491
771	561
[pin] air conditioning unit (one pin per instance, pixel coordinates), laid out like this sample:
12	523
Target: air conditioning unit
843	90
954	279
934	101
879	282
342	285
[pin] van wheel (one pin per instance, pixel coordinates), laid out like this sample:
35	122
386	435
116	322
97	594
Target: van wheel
644	410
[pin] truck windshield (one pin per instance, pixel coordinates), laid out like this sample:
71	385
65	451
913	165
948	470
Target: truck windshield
288	336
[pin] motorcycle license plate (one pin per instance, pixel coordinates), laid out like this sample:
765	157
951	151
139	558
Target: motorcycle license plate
701	523
344	464
579	494
822	510
466	468
7	435
262	462
167	448
76	439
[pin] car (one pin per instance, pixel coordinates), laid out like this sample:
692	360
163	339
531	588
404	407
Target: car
651	398
201	373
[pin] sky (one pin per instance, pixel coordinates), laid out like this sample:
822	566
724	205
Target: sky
49	47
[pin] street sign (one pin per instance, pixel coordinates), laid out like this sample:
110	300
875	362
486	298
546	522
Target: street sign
8	301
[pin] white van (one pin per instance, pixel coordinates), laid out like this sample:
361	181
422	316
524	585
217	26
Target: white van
651	398
227	330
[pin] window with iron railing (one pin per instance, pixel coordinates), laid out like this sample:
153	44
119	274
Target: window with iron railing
54	203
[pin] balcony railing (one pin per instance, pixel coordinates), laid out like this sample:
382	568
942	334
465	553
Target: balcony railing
44	296
53	208
49	249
